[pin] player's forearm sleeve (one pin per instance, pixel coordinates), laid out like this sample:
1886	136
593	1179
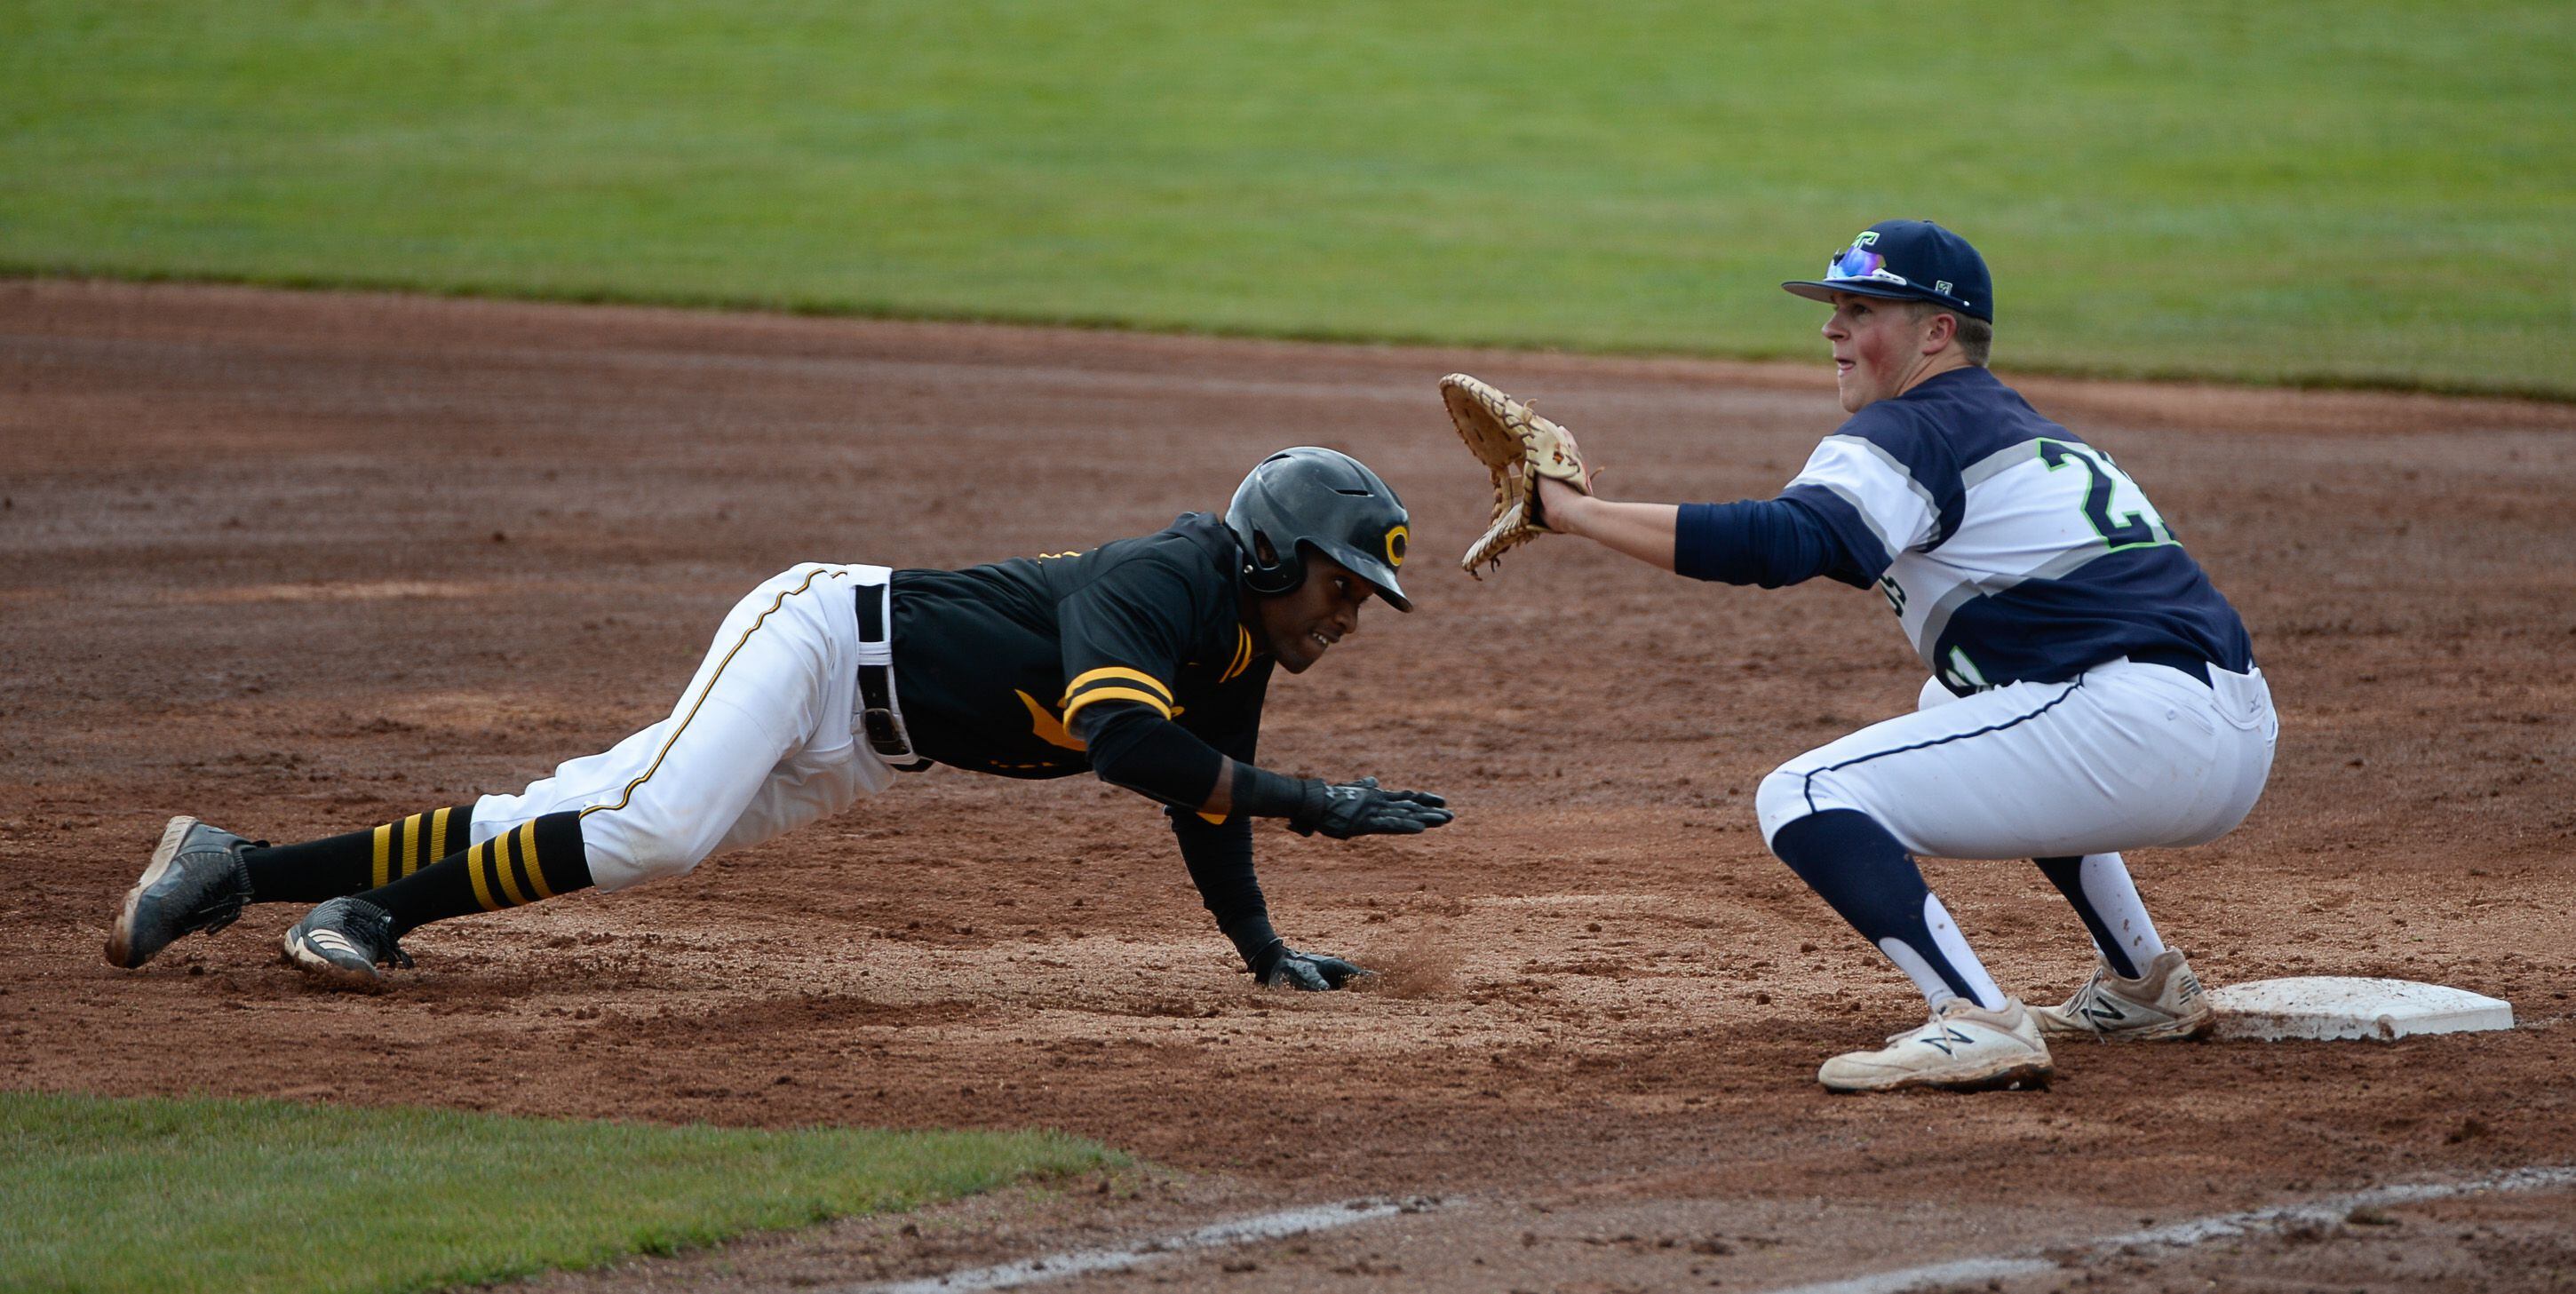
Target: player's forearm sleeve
1133	747
1260	793
1770	542
1220	862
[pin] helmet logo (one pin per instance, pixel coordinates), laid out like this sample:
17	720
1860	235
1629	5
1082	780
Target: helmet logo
1395	541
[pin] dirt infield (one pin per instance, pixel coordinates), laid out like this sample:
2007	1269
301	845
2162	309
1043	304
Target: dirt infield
300	564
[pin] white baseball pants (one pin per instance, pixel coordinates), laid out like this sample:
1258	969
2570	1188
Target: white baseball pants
2125	756
765	740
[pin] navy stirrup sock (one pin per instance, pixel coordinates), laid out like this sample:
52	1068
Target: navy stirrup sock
2119	953
1854	865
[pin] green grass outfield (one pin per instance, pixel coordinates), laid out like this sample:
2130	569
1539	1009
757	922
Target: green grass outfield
100	1194
2377	192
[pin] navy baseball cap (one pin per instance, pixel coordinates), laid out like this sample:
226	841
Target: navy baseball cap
1907	260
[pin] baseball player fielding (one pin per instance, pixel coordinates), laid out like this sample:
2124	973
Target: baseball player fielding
2091	692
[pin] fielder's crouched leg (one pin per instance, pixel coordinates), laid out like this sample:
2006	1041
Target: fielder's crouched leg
1827	827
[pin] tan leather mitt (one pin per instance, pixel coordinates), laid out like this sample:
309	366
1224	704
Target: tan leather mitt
1518	447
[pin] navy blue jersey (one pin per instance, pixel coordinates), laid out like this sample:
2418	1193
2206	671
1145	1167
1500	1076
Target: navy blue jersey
2009	548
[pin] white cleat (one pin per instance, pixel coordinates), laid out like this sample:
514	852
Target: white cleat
1964	1048
2165	1002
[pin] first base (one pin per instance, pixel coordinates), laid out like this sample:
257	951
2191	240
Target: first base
2345	1006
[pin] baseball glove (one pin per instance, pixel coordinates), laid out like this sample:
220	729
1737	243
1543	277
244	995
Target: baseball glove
1518	447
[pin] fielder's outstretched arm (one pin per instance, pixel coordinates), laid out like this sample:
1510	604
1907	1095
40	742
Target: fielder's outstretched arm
1641	530
1769	542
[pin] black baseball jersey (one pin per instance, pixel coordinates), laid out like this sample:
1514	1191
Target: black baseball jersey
992	663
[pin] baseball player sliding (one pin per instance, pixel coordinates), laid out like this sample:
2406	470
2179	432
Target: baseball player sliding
2091	691
1144	661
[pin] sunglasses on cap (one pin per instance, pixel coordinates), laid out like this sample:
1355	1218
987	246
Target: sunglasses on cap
1858	262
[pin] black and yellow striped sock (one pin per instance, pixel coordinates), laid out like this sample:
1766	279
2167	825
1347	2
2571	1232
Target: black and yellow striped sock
535	860
358	861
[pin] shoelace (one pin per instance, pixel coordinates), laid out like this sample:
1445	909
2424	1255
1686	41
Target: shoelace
1902	1035
225	907
2092	992
374	927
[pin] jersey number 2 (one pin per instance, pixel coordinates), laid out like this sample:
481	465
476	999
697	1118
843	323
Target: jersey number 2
2139	529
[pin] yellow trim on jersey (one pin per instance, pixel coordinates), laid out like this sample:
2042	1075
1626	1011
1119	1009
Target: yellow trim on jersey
474	860
528	860
438	834
1046	725
501	865
628	795
1242	654
1114	694
1117	671
1213	819
384	854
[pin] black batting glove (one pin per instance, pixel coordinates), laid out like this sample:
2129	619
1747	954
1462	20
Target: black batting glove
1342	810
1280	966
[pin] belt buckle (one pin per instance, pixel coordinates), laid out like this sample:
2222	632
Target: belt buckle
887	737
885	732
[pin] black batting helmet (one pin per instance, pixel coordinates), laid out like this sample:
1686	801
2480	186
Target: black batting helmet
1322	499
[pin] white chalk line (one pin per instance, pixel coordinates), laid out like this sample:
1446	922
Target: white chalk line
1079	1262
2197	1231
1293	1222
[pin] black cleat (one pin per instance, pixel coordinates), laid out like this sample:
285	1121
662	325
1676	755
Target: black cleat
342	942
197	881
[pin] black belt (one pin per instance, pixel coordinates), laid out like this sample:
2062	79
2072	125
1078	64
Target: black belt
877	714
2171	659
